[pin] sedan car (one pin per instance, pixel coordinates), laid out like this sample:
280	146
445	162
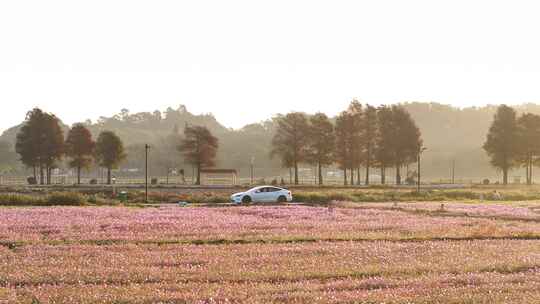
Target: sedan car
262	194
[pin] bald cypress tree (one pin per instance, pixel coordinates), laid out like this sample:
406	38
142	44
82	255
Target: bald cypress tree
40	142
529	142
369	137
199	148
502	142
291	139
79	148
343	142
383	154
406	140
320	146
109	152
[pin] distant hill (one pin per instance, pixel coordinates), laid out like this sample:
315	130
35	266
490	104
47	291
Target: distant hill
449	133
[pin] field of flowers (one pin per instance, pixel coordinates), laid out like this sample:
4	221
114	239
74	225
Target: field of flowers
409	252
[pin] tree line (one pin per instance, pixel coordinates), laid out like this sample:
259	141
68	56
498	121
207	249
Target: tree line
41	146
514	142
361	137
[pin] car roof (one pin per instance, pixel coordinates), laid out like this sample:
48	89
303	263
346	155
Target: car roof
267	186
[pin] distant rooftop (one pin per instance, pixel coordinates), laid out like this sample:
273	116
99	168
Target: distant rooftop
218	171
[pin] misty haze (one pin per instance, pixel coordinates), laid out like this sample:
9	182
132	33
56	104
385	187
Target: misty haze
269	152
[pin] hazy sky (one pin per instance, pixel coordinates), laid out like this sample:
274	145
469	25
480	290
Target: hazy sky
247	60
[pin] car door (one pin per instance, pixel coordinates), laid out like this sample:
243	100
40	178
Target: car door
267	195
273	194
259	195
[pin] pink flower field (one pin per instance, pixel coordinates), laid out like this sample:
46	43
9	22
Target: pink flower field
292	254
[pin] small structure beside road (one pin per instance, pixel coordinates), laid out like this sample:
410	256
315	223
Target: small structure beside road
219	177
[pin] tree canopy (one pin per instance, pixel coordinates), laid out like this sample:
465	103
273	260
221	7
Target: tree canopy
40	142
199	148
79	148
320	147
502	141
109	152
290	140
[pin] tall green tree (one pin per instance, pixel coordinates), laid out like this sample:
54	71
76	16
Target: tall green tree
54	147
529	142
291	139
320	146
79	148
344	142
406	140
502	142
355	133
109	152
384	141
369	137
40	142
199	148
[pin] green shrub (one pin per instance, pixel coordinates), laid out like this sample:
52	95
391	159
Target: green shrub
13	199
66	198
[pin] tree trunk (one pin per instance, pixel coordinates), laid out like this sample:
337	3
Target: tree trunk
398	175
290	175
41	174
345	177
295	173
358	176
320	175
383	175
108	175
352	177
35	173
505	176
367	174
78	175
198	181
527	172
49	169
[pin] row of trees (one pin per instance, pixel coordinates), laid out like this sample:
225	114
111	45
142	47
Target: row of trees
513	142
41	145
361	136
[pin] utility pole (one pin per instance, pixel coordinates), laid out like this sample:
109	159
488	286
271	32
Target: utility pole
146	148
251	168
453	170
420	150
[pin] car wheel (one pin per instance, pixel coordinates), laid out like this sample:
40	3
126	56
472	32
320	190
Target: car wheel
282	199
246	199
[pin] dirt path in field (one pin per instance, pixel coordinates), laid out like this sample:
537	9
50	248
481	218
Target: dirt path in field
18	244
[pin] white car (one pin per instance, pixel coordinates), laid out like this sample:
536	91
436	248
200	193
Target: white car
262	194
